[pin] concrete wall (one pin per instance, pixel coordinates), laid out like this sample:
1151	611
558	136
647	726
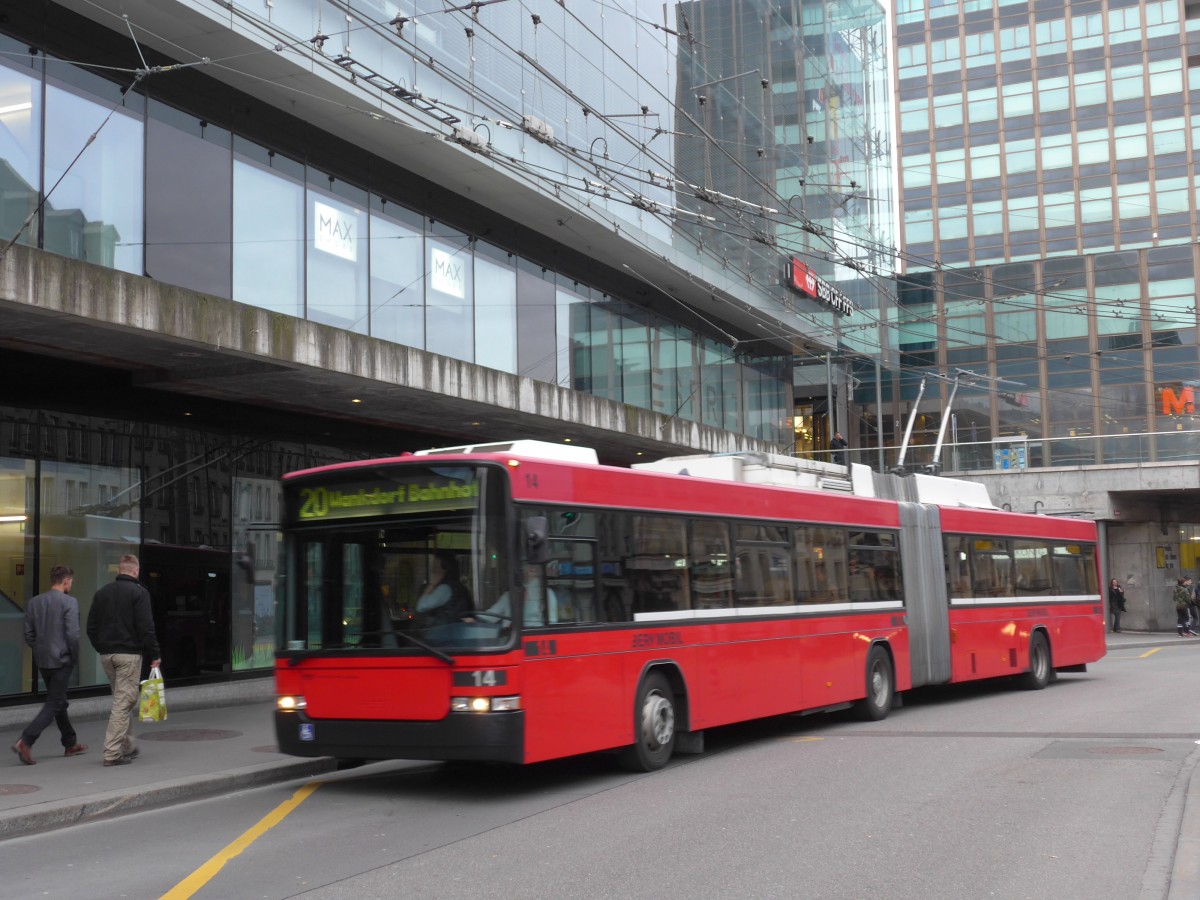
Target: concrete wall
1134	562
183	341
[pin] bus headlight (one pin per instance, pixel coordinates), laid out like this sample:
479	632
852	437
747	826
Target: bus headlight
288	703
484	704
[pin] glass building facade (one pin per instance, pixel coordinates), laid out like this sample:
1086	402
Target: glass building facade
81	489
1047	170
173	195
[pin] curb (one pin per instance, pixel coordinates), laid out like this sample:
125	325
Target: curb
78	811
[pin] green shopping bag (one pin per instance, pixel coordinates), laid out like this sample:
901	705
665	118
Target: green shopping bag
152	701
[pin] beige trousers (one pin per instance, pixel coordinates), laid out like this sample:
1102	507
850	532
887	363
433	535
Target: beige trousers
124	671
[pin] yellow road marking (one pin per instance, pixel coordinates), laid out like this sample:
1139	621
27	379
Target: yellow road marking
206	872
803	740
1149	652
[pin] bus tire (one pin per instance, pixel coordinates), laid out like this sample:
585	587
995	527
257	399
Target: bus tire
1040	670
881	687
653	726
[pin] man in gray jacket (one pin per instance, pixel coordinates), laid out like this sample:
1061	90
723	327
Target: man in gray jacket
52	630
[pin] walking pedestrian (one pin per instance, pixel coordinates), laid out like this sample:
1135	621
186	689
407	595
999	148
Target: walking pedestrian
1116	604
1183	599
121	627
1194	609
52	630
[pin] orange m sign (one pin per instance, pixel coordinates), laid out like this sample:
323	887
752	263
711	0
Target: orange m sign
1181	404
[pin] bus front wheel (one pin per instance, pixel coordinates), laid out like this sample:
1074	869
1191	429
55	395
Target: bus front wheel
653	726
1040	672
880	687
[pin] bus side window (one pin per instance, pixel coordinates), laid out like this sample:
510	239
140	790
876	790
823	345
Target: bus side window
711	566
614	605
571	575
658	551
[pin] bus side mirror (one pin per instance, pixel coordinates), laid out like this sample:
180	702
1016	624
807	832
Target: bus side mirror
537	548
245	562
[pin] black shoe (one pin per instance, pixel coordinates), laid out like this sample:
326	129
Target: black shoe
120	761
132	754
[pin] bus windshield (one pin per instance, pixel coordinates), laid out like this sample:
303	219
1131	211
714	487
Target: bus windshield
396	558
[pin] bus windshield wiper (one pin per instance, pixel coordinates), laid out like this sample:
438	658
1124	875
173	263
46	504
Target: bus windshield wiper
444	657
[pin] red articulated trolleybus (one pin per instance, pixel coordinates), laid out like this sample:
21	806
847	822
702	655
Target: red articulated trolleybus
519	602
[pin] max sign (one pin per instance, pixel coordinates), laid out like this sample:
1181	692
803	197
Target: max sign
446	273
803	280
333	231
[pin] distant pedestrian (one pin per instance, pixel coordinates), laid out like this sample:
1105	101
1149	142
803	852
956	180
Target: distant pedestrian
1116	604
1183	600
52	630
121	628
839	446
1194	609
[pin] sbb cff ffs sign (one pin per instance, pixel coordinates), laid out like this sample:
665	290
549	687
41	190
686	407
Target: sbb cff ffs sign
1179	401
803	280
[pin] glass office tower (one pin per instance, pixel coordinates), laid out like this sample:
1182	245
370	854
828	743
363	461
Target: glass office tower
1047	170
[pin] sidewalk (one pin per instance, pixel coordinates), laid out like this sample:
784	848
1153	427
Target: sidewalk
217	739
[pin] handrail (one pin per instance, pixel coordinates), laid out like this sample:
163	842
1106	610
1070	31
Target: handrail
1038	452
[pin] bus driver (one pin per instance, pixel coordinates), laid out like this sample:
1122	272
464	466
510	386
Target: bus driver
444	598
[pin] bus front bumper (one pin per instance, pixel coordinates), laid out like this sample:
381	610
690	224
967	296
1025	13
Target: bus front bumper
495	737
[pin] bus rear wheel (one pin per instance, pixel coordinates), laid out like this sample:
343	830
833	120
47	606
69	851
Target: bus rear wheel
1039	673
653	726
881	687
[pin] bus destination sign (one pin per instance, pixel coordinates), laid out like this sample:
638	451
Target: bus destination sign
356	499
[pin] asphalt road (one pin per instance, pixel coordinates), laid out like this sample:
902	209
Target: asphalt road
976	792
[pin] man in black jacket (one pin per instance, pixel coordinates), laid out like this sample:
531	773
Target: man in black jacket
121	628
52	630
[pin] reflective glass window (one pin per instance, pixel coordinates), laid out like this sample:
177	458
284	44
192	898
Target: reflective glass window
675	374
631	339
593	368
188	167
449	295
95	212
1031	568
710	564
268	239
657	565
20	153
763	568
17	577
397	276
337	262
543	326
495	310
718	385
820	564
